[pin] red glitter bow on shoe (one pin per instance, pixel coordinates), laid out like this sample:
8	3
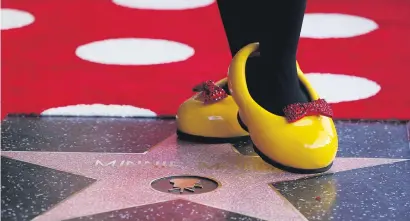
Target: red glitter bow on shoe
210	92
295	112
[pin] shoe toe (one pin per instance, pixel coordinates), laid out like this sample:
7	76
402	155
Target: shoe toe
308	144
218	120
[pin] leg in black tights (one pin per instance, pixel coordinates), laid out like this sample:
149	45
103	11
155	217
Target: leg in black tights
240	26
276	25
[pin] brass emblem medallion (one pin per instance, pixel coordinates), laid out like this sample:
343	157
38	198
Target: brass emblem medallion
185	184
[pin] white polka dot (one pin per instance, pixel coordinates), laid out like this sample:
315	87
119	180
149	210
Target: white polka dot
134	51
164	4
332	25
13	18
99	110
337	88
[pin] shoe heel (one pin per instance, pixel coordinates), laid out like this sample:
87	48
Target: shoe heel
244	127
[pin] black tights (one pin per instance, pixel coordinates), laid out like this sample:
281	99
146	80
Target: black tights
276	25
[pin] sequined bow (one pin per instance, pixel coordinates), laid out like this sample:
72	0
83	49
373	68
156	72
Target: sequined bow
210	92
295	112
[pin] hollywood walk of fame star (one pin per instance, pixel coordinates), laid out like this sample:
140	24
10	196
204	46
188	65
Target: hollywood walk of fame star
244	180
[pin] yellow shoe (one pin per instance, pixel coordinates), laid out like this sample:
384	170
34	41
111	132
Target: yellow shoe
210	116
305	141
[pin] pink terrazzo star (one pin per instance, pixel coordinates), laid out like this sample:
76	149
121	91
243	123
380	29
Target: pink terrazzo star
123	180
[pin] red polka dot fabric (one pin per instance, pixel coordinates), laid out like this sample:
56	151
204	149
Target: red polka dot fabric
142	58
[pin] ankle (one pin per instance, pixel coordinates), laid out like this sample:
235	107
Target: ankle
271	88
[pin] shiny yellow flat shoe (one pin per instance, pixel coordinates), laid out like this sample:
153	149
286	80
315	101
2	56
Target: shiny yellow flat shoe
210	116
304	141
